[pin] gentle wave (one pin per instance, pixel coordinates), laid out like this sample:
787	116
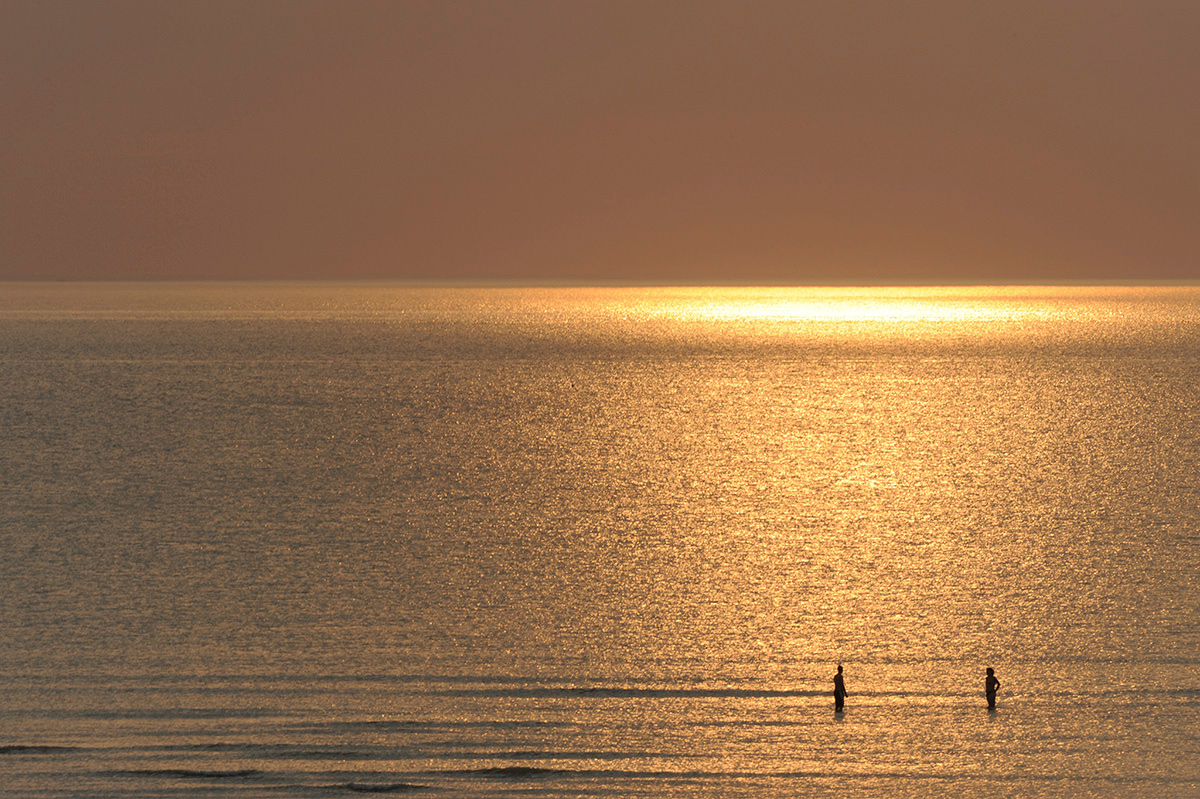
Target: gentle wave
413	725
602	692
169	714
537	773
519	772
191	774
367	787
271	751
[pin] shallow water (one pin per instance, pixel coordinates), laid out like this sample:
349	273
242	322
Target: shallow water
323	540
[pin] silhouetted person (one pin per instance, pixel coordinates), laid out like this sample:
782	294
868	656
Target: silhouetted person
839	692
989	687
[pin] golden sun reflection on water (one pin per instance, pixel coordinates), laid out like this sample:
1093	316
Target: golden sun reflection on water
858	305
602	540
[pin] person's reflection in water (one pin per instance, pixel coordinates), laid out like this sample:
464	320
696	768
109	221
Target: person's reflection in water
839	691
989	688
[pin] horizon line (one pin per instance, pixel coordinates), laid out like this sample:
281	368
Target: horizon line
592	283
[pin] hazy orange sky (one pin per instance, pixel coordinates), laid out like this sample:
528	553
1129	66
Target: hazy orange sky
732	142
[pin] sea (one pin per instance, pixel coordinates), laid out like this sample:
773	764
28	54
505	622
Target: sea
327	540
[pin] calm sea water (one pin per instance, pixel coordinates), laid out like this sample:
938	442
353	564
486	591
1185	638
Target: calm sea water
311	540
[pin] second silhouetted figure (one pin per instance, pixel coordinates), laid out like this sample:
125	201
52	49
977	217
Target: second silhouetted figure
839	691
989	688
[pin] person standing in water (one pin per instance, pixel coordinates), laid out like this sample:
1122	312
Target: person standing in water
839	691
989	688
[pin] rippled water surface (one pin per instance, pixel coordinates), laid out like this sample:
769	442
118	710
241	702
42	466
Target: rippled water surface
314	540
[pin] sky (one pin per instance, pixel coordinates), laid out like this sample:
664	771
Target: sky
770	142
